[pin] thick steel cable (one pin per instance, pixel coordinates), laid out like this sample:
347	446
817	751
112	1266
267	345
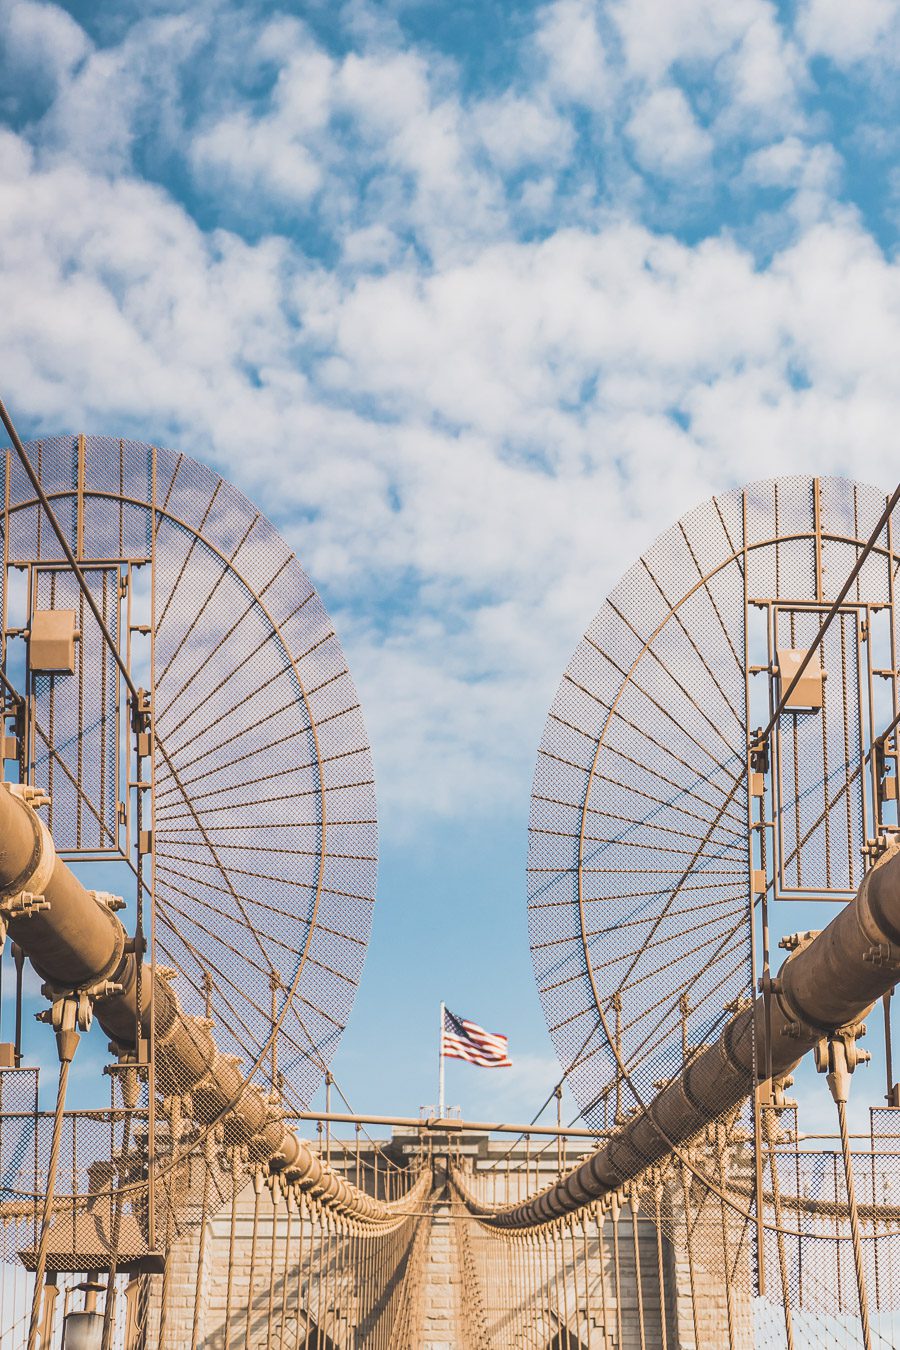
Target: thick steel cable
312	1212
688	1237
257	1187
201	1251
726	1250
854	1226
142	1316
301	1204
660	1265
638	1274
285	1269
598	1216
568	1224
614	1215
272	1244
322	1265
769	1140
229	1281
108	638
109	1309
559	1256
41	1264
161	1340
624	1074
585	1250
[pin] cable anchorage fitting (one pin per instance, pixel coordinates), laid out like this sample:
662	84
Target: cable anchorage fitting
71	1011
838	1055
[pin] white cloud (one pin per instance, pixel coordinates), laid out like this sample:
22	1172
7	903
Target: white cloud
270	153
462	373
373	246
658	34
110	98
849	33
478	432
737	51
41	40
258	154
665	134
519	131
568	38
516	449
812	173
386	117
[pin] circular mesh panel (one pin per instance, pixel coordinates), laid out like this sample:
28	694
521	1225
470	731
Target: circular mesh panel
641	868
263	820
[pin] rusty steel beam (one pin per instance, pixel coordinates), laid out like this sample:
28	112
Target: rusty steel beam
80	949
829	982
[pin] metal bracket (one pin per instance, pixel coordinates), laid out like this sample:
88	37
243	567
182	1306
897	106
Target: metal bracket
21	906
759	752
34	797
883	954
141	711
838	1056
772	1093
73	1007
126	1074
69	1012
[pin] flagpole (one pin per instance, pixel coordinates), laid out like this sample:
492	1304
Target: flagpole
441	1067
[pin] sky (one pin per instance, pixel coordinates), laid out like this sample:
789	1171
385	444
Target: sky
473	301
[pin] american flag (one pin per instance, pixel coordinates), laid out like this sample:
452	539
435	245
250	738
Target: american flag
462	1039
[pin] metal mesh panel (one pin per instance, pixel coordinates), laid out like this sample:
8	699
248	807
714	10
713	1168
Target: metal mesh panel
75	730
648	860
820	769
19	1160
638	854
257	833
249	677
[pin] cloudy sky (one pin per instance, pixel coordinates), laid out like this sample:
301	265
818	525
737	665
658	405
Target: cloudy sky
473	300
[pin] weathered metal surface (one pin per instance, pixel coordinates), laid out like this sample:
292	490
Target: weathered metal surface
822	987
77	943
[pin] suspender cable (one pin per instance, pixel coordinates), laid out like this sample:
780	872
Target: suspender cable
41	1264
638	1280
251	1274
229	1280
660	1264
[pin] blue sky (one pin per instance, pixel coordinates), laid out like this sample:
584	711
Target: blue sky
473	300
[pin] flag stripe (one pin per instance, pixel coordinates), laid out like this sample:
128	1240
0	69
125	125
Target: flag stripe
462	1039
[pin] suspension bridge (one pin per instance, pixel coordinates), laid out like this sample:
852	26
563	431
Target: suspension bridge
187	859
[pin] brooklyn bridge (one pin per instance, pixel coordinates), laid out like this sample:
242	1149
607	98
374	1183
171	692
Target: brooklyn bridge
187	859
